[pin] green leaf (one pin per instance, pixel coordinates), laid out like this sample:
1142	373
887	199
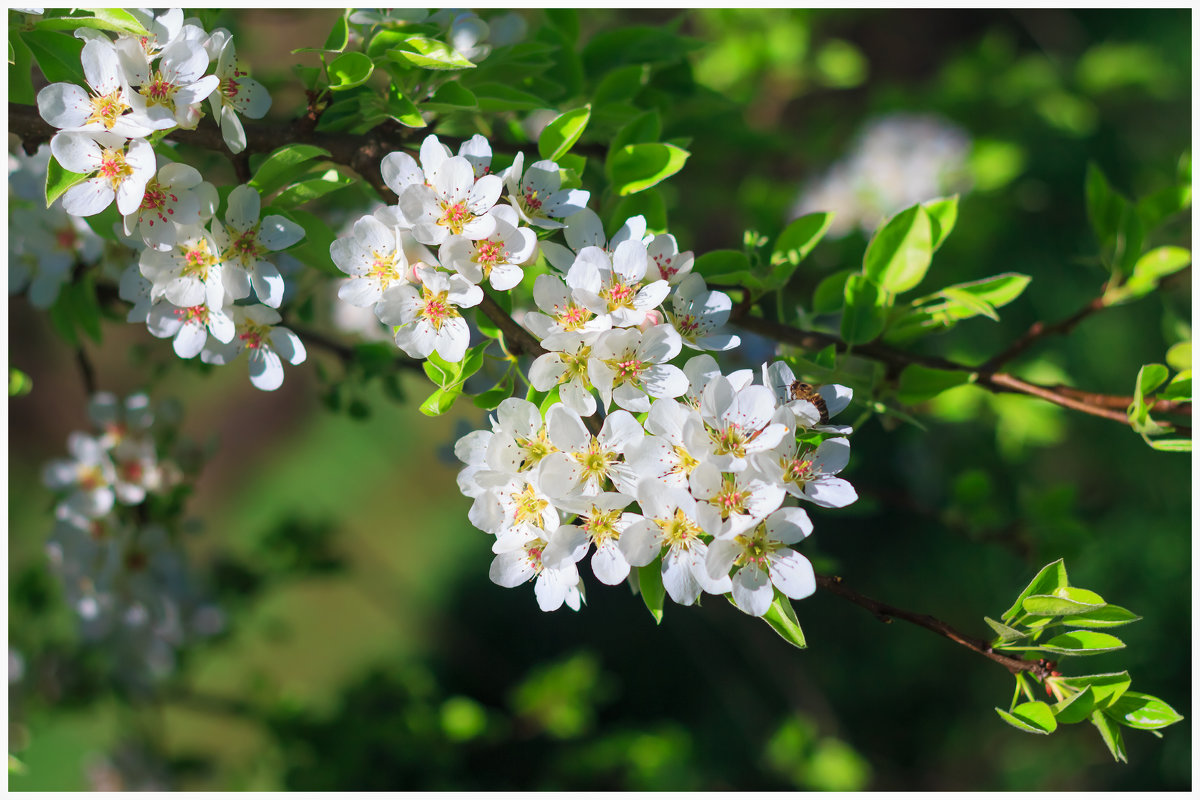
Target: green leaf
495	395
651	586
442	372
563	132
57	55
1081	643
621	85
1171	445
642	129
339	35
349	70
401	109
451	96
313	249
1179	356
311	188
865	312
1180	387
717	266
782	618
1049	579
1149	378
1055	605
899	253
58	180
1032	717
1164	204
566	20
831	292
1075	708
1106	687
439	402
492	97
85	307
1142	711
918	383
284	165
1005	633
1105	207
793	246
635	45
636	167
1108	616
20	70
428	54
965	305
103	19
649	204
943	213
996	291
1155	265
1111	735
18	382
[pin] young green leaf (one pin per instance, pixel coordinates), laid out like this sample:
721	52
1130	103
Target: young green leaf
1005	633
57	55
1108	616
1075	708
918	383
1111	734
996	291
1105	207
58	180
1106	687
782	618
830	293
451	96
439	402
1031	717
563	132
18	383
965	305
1152	267
428	54
20	70
283	166
651	586
720	266
310	189
899	253
943	213
1081	643
1049	579
799	238
495	97
865	312
636	167
1142	711
1043	605
349	70
339	35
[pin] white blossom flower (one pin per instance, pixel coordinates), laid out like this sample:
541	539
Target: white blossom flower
192	273
513	508
88	476
698	312
669	520
565	364
137	289
809	474
666	453
780	379
178	86
535	195
584	463
454	202
731	502
554	585
247	240
561	313
518	440
191	326
400	170
628	367
496	258
43	246
237	93
428	316
602	519
120	169
764	560
268	344
107	109
614	286
119	419
666	262
584	229
738	422
168	201
373	256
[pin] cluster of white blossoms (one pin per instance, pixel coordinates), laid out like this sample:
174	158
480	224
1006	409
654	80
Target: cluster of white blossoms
897	160
716	477
122	573
138	86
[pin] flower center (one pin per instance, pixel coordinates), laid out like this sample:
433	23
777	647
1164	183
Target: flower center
383	268
114	167
687	325
197	260
732	498
155	201
159	91
619	295
756	547
573	317
535	448
730	440
106	108
488	254
455	217
678	531
628	368
602	525
254	336
528	508
90	477
437	308
245	248
530	201
595	462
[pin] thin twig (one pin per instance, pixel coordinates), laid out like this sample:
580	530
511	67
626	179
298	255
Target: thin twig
1039	330
885	613
86	371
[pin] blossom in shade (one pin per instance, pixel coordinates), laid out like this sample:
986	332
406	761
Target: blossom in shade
373	256
810	474
246	240
237	93
268	344
87	476
427	314
119	168
535	195
168	201
763	559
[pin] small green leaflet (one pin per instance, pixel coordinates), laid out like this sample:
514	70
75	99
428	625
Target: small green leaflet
349	70
636	167
282	166
1032	717
58	180
899	253
651	586
563	132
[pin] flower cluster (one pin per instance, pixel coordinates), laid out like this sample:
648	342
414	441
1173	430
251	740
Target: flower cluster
139	86
121	569
716	477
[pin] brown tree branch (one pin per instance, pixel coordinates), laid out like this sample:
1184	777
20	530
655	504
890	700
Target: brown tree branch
885	613
1039	330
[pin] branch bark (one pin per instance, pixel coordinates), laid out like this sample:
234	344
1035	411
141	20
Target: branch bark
885	613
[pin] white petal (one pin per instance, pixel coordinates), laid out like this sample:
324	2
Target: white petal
752	590
793	574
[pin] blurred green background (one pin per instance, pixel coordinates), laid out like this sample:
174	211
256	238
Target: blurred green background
365	646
